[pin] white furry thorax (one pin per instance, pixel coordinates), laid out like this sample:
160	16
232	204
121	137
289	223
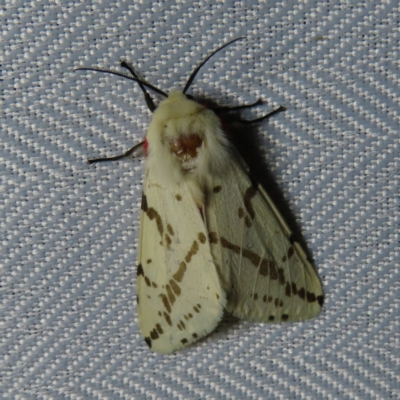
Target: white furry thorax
174	120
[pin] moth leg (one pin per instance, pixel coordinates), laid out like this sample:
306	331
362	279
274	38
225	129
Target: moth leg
270	114
235	108
119	157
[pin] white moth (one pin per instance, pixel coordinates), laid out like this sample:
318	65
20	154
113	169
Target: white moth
211	240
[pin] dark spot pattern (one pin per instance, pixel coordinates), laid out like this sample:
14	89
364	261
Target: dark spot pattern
143	206
193	250
285	317
170	295
154	334
311	297
184	341
181	326
269	268
217	189
248	195
148	341
289	254
168	240
175	287
139	270
153	214
266	267
165	301
178	276
178	197
159	329
167	319
202	237
170	230
213	238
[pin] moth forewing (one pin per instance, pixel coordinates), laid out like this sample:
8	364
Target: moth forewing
179	293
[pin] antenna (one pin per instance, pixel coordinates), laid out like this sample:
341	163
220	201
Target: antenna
197	69
135	78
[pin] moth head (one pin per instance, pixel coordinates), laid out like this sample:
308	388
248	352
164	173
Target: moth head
180	127
178	123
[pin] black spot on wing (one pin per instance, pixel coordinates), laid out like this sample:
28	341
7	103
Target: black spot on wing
144	203
202	237
248	195
178	276
193	250
154	334
311	297
212	237
153	214
217	189
170	230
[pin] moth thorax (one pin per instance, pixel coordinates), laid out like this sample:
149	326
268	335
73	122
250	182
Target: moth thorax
186	148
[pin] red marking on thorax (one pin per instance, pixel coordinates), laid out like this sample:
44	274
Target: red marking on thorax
146	147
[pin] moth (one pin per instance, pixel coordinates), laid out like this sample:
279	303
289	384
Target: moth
211	240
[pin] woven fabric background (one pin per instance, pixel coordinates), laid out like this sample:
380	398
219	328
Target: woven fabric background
69	230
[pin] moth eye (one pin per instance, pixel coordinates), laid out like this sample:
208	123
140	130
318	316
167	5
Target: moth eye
190	97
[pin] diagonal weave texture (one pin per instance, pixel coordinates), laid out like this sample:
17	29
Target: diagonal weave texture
69	231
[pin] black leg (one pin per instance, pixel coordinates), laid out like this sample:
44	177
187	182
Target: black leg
119	157
270	114
227	108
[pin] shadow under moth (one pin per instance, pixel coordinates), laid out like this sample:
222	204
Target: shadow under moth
211	240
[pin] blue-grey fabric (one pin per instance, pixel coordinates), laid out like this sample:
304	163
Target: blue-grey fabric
69	230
